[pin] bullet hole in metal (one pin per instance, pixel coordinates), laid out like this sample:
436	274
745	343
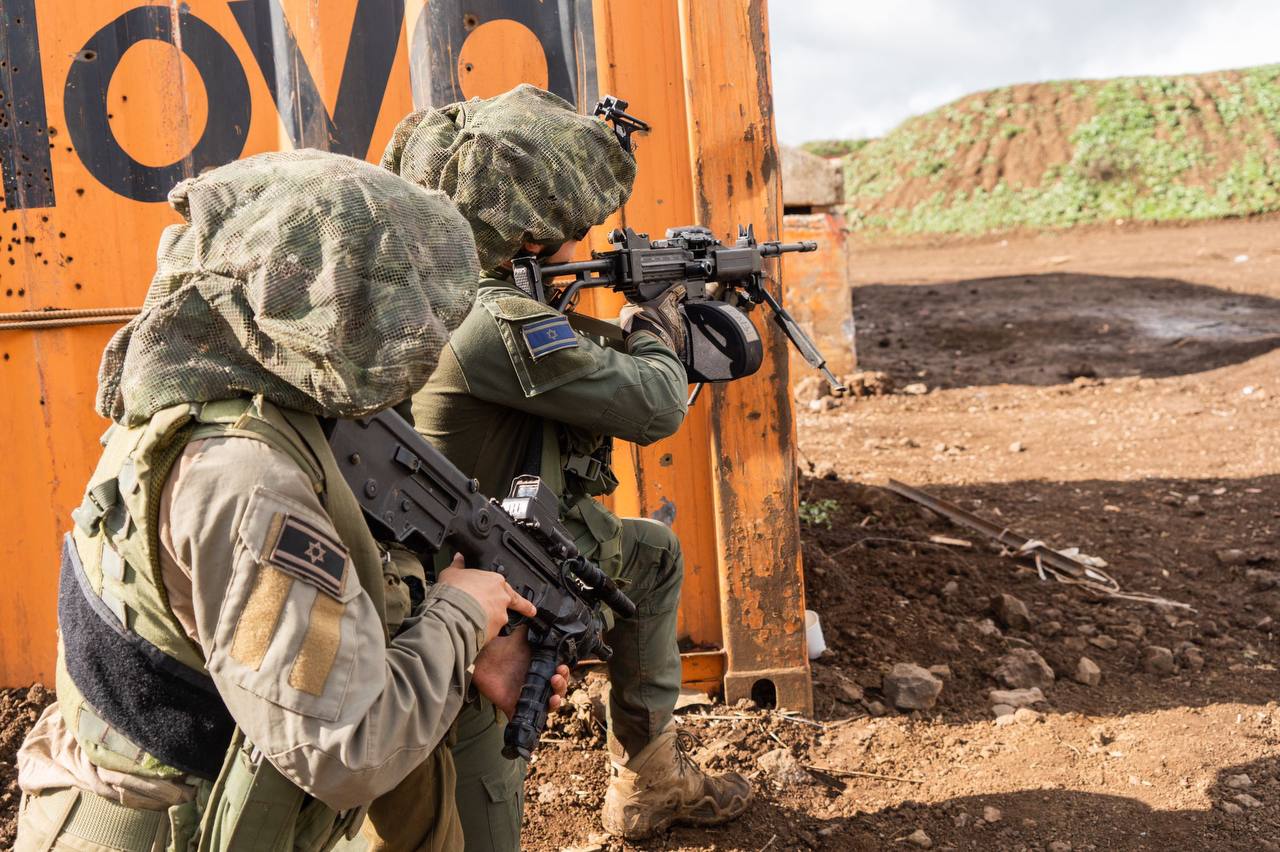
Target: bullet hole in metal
22	291
69	258
86	56
469	67
110	116
79	286
15	226
124	98
62	235
665	460
6	356
28	239
12	261
79	190
470	22
44	218
53	131
9	292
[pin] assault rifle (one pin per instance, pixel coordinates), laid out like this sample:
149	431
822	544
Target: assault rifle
722	283
412	494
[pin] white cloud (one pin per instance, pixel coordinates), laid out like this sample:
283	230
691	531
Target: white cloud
849	68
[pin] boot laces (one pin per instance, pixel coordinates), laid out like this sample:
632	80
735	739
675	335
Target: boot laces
686	742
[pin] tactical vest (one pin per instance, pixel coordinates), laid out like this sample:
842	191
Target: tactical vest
132	687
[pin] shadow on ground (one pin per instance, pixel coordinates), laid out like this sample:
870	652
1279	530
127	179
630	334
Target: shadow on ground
1048	329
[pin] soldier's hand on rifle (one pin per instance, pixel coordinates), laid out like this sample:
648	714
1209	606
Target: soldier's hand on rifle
660	317
491	590
500	670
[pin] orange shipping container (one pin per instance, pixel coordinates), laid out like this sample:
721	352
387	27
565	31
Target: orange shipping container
108	103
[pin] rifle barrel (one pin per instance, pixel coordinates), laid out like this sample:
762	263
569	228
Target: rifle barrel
775	249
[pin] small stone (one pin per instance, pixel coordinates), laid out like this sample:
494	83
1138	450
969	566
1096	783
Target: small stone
1231	808
1025	715
916	389
1157	660
1232	556
987	627
1191	658
811	389
962	820
1247	800
1006	720
1106	643
1049	629
941	671
547	793
1023	668
1010	612
1016	698
1239	782
950	589
851	691
919	839
999	710
875	708
1087	672
1017	447
781	765
992	814
910	687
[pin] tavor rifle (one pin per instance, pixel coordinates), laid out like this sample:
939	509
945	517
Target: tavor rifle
411	494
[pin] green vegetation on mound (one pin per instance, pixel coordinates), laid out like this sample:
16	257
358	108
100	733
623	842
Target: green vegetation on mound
1053	155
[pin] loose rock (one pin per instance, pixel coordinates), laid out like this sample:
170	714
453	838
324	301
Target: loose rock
1231	808
1232	556
1025	715
1087	672
1023	668
1017	447
1010	612
910	687
920	839
1157	660
1248	801
1015	698
999	710
811	389
782	766
1239	782
992	814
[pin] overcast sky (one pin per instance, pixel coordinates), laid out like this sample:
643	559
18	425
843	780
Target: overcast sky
855	68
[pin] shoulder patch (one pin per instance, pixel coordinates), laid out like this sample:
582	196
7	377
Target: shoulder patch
304	552
548	335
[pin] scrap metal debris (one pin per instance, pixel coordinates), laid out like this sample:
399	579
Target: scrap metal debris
1065	566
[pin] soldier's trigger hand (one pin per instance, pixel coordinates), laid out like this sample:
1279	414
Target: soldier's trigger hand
500	671
491	590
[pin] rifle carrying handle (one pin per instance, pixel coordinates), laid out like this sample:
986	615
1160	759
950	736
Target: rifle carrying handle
525	728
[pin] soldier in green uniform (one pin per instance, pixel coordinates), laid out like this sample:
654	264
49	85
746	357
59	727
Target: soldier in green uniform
238	669
518	391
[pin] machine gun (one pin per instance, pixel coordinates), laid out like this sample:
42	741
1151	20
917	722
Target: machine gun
412	494
722	283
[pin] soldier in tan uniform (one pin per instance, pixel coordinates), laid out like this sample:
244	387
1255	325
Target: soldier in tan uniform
518	391
239	665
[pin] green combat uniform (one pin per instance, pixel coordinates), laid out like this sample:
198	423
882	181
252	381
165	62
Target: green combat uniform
238	669
518	391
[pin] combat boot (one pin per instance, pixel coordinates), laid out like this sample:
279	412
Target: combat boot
662	785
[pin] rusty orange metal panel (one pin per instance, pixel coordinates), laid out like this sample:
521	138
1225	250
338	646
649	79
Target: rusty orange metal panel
103	113
672	478
818	291
735	165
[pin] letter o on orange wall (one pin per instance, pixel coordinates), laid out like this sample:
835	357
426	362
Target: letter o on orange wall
499	55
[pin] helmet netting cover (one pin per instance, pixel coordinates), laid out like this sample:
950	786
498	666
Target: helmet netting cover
522	167
320	281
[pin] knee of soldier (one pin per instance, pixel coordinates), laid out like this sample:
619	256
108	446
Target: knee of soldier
655	564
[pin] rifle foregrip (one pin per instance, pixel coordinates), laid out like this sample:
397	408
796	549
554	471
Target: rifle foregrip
525	728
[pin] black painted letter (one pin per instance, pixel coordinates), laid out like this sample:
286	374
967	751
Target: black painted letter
24	156
227	87
370	55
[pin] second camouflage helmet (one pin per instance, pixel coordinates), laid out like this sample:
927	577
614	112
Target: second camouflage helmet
522	167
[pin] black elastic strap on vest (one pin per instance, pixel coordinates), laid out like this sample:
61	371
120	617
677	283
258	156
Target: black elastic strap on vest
164	707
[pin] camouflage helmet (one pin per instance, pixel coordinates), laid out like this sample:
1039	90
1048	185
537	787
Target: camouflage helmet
522	167
322	282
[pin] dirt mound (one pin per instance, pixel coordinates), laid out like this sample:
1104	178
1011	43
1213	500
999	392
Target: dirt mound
1057	154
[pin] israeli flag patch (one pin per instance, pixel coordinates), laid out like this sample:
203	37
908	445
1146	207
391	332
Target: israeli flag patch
548	335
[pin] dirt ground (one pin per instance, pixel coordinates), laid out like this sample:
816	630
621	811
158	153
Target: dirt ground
1112	390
